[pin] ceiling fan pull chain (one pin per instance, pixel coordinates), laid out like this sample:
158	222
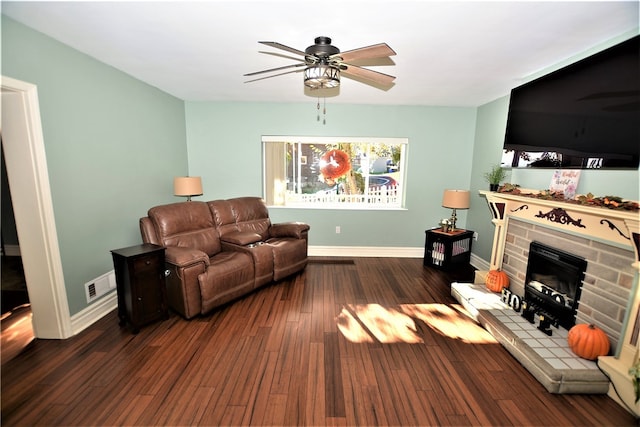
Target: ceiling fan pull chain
318	108
324	112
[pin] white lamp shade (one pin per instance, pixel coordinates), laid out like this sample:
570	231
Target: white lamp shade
456	199
187	186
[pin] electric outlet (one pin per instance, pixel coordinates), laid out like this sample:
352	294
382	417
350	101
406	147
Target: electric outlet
475	236
337	229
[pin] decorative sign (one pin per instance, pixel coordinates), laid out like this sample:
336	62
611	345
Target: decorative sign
512	300
558	297
565	182
517	304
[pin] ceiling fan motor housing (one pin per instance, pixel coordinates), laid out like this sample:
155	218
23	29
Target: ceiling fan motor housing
321	73
322	48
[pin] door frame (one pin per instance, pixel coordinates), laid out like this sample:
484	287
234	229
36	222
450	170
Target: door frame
26	162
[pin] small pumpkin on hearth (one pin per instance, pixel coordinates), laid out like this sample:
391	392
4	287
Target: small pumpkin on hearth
588	341
496	280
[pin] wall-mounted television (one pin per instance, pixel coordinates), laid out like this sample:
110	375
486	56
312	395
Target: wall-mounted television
585	115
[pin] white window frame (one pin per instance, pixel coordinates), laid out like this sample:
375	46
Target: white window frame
277	191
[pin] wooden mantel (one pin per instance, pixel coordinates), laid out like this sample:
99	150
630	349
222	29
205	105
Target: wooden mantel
619	228
615	227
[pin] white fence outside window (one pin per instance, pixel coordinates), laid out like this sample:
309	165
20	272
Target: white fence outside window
377	197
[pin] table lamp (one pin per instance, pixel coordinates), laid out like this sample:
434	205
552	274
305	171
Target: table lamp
187	186
455	199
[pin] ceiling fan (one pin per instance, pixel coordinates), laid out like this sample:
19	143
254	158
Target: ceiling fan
323	63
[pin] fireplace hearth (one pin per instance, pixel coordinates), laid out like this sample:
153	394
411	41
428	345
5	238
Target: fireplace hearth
552	286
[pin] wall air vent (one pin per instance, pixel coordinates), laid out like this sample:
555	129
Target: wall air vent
92	291
100	286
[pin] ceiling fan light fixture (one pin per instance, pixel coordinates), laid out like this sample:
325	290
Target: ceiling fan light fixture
322	76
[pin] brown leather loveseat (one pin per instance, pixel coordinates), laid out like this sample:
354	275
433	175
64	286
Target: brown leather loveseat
220	250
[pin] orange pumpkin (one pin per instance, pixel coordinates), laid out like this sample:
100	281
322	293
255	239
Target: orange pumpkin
588	341
496	280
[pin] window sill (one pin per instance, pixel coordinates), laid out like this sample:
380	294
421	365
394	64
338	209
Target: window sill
340	207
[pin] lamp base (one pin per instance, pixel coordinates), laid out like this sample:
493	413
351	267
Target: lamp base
452	220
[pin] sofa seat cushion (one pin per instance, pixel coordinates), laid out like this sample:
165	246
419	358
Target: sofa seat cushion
228	276
289	256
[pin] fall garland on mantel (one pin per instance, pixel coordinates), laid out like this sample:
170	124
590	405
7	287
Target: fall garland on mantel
610	202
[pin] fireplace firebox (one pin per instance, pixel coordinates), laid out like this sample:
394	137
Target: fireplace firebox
552	286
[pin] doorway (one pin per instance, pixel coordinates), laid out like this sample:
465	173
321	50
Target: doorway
28	178
16	330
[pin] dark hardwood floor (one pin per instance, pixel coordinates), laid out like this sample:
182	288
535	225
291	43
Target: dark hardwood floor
368	341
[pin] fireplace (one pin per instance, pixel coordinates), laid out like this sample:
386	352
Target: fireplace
552	285
609	239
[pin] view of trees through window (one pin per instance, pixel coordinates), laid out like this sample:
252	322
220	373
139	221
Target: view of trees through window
334	172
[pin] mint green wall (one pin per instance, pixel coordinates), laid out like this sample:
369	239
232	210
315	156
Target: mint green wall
487	151
113	145
224	144
492	119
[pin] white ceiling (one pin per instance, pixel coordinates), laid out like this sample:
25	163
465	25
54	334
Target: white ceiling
462	53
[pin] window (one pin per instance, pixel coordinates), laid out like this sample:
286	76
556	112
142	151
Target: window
327	172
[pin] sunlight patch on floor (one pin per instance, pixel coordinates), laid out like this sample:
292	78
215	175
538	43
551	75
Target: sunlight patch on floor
366	322
362	323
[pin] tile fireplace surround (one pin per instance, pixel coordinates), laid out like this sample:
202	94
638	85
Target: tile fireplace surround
610	242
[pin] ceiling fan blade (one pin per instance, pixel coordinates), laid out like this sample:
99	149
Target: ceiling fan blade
275	75
283	47
276	69
379	86
372	62
375	51
375	76
280	55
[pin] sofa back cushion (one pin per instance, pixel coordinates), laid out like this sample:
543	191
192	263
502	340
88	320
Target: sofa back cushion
186	224
251	215
223	216
244	214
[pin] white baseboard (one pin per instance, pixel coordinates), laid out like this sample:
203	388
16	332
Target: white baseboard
366	251
479	263
94	312
383	252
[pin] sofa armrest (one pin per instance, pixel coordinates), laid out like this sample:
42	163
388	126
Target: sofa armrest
185	257
148	231
241	238
184	266
289	229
